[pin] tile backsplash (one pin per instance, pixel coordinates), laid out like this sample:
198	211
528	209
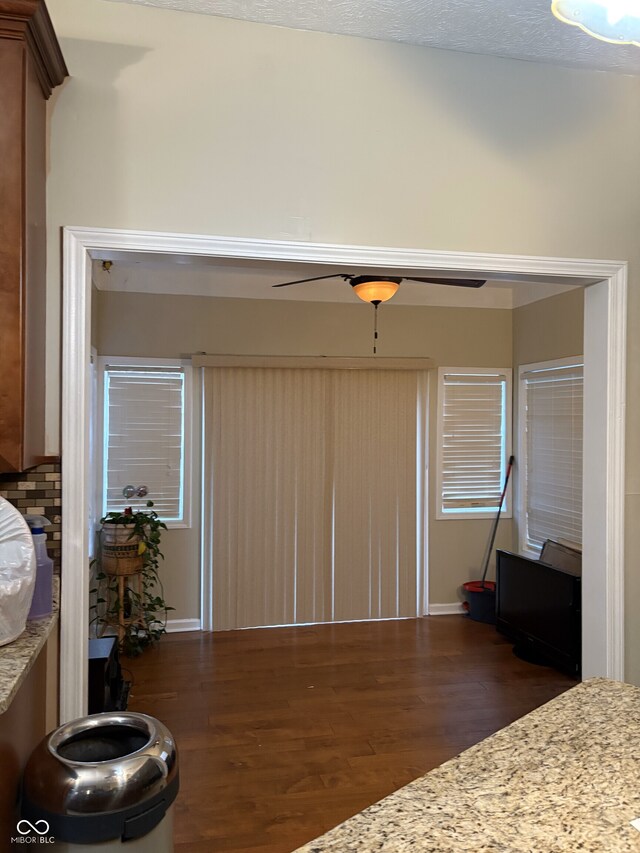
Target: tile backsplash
37	492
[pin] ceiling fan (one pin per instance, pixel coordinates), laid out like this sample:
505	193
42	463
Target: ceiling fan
380	288
376	289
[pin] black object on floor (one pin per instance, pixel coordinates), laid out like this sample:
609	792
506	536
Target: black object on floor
530	655
108	691
480	601
538	606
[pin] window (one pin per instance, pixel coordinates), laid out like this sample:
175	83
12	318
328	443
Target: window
146	435
551	452
474	441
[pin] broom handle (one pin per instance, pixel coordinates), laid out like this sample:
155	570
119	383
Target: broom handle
497	519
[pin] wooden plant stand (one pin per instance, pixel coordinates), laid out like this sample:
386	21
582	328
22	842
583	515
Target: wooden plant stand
122	622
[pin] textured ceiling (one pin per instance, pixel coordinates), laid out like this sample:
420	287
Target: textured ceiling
513	28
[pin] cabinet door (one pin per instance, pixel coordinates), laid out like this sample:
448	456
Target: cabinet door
12	261
35	255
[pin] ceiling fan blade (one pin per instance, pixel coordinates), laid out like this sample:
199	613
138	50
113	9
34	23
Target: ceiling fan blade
315	278
455	282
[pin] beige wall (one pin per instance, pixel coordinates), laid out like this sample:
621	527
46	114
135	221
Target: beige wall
180	571
173	326
551	328
136	324
94	316
181	122
542	331
456	551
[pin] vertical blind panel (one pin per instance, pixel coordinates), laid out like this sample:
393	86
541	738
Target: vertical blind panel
307	500
374	477
266	431
473	450
554	409
144	439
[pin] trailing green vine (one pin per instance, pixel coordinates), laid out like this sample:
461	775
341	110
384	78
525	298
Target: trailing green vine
148	605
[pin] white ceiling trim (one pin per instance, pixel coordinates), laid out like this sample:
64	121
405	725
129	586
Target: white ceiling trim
100	244
243	271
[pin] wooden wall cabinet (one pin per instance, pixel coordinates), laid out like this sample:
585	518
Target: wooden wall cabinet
31	66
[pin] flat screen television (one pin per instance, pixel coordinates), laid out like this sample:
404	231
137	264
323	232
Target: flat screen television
538	607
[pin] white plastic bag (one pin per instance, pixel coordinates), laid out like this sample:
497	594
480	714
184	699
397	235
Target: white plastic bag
17	572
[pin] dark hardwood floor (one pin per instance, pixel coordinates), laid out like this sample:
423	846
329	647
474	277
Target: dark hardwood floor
285	732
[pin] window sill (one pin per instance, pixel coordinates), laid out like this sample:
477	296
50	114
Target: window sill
470	516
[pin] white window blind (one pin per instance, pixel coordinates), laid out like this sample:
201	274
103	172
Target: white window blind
553	446
144	438
474	436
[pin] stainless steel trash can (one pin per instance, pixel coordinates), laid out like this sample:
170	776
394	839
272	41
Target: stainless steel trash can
105	782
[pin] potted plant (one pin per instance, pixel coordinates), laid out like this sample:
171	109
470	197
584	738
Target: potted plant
129	595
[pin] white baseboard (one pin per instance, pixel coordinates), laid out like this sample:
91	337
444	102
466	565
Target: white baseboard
446	609
175	626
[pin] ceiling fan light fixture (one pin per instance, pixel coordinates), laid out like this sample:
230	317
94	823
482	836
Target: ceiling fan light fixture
614	21
375	292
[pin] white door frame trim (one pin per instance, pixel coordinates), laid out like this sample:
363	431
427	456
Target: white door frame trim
78	245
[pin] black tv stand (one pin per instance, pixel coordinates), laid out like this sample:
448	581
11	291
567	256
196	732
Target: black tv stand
530	654
538	606
108	691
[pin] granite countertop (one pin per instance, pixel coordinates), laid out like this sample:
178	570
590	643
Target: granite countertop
564	778
17	657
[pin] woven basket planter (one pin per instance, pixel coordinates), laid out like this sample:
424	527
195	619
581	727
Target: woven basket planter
120	550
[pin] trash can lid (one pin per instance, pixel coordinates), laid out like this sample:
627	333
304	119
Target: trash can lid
92	778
